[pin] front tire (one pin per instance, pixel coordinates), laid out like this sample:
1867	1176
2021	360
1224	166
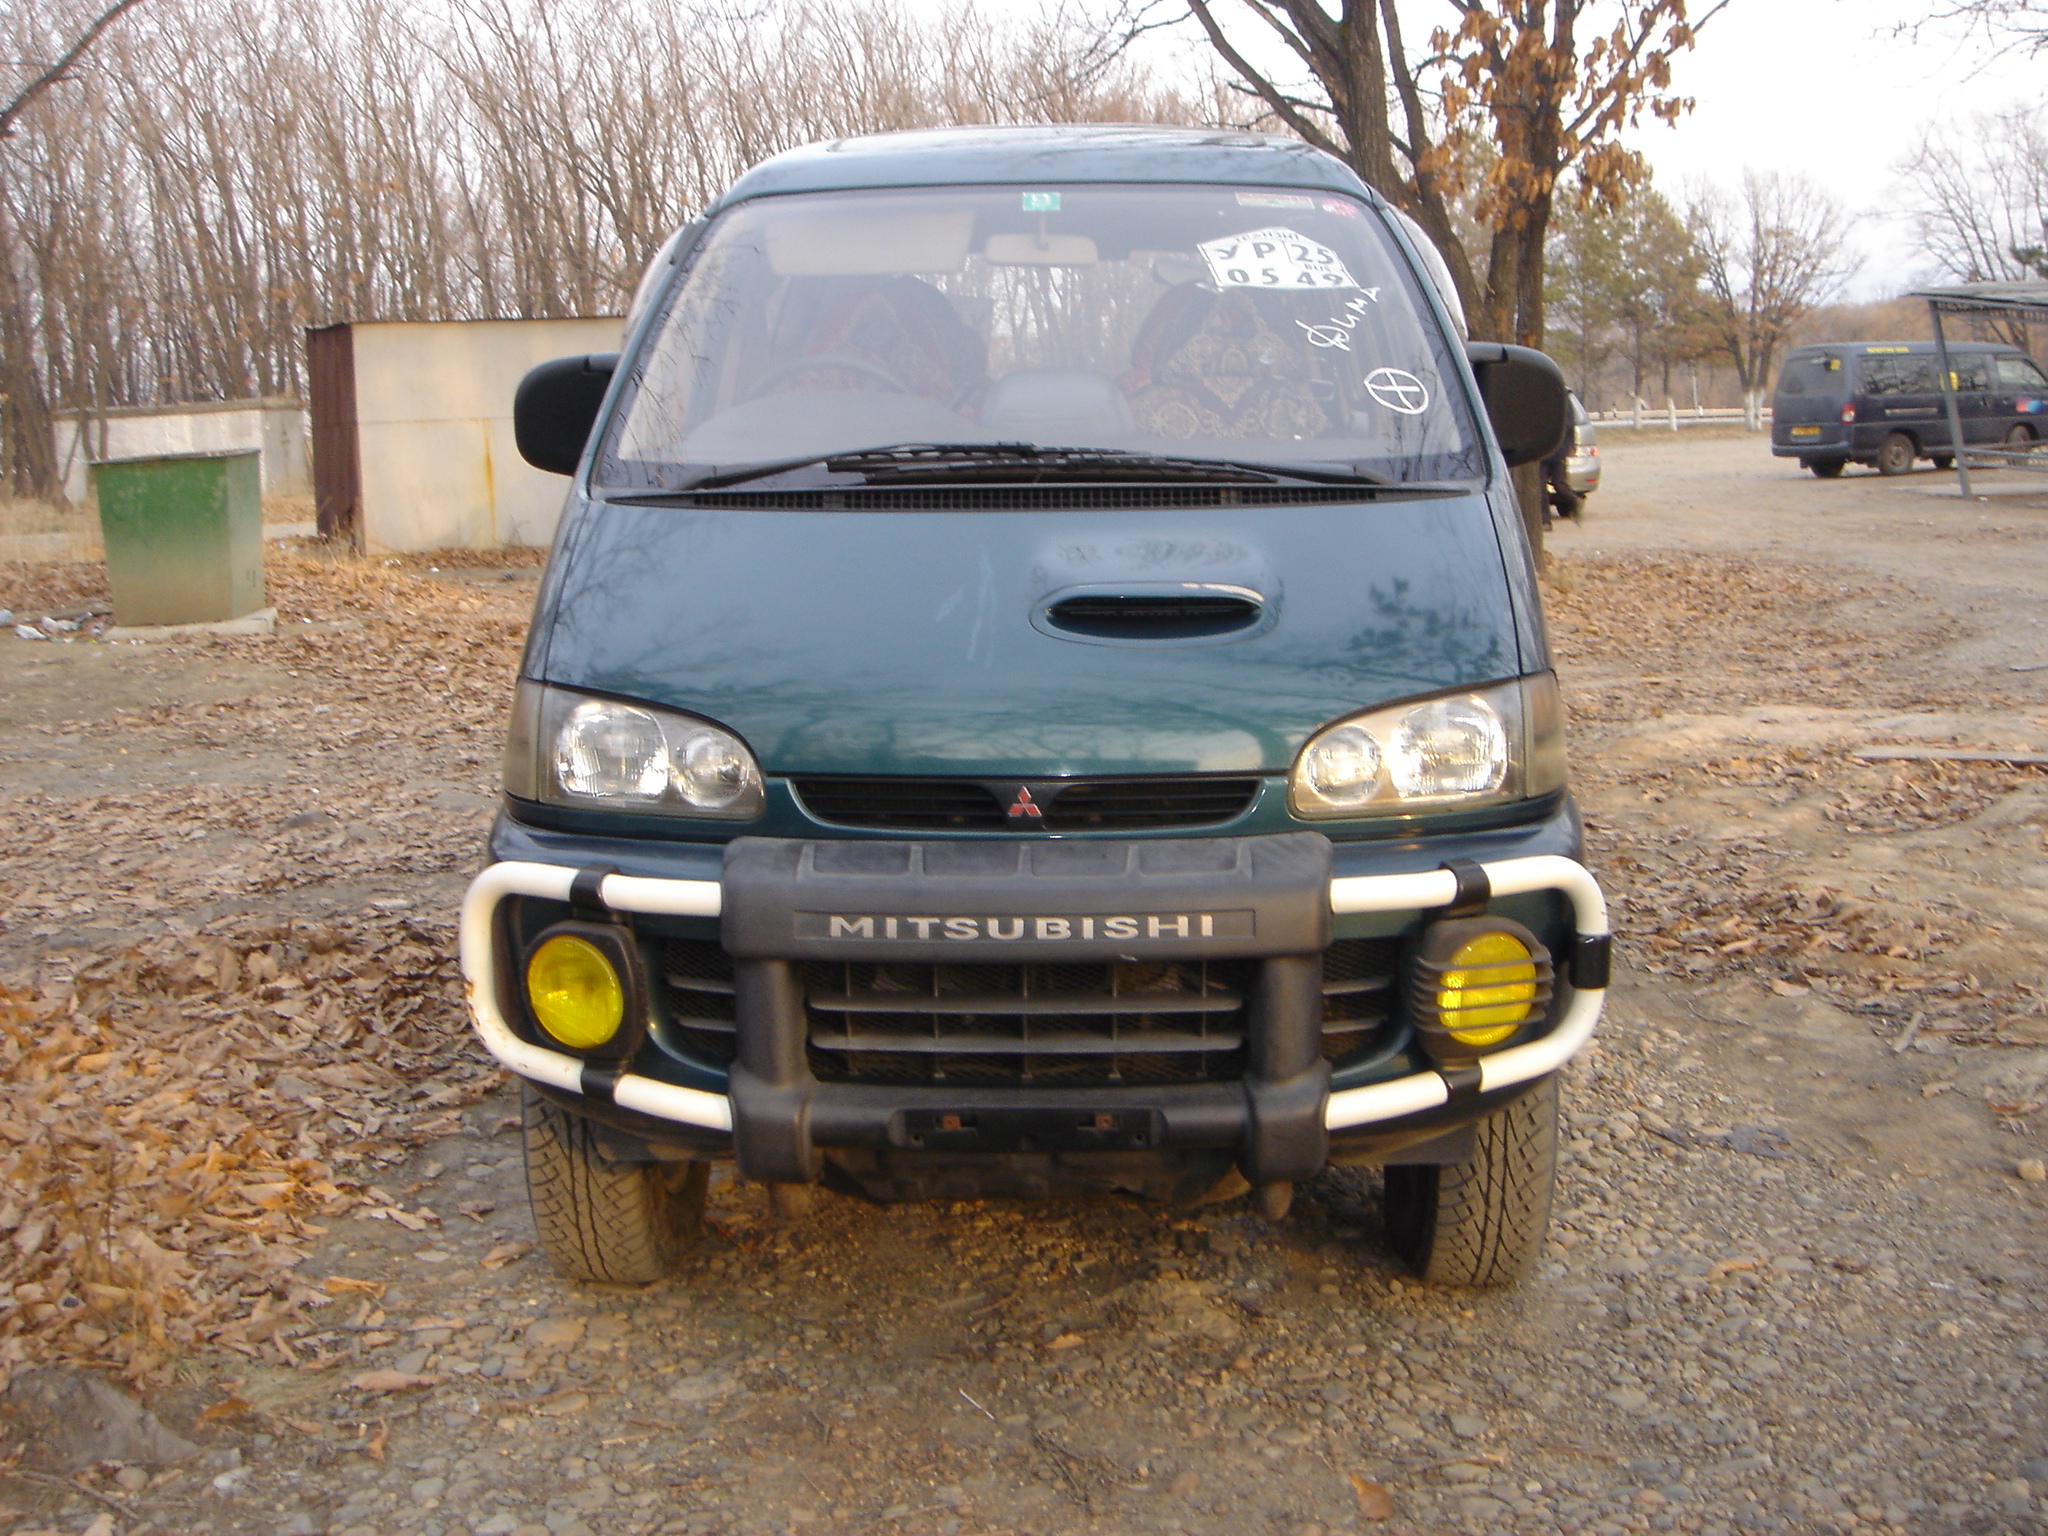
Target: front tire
621	1223
2020	439
1481	1223
1896	456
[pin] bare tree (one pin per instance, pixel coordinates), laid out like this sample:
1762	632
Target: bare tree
1980	196
228	172
1539	87
25	413
1769	255
2020	24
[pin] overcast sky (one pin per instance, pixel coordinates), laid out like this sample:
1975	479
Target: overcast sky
1827	88
1822	87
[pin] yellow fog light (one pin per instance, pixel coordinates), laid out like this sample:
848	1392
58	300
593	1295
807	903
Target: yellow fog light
575	991
1489	991
1476	983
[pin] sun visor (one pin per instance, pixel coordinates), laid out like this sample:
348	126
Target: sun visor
862	244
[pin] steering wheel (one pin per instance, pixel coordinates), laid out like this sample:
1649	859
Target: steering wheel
776	375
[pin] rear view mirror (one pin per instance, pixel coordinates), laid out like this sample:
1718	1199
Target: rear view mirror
1525	399
556	406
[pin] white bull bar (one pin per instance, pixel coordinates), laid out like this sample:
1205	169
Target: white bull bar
1347	1108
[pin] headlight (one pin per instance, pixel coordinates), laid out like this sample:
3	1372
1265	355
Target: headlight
1475	747
570	749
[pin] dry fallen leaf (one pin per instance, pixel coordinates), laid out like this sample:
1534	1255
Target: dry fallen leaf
343	1285
506	1253
233	1406
1067	1341
1721	1269
392	1381
1374	1502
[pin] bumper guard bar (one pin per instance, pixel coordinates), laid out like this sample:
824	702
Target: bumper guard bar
1347	1108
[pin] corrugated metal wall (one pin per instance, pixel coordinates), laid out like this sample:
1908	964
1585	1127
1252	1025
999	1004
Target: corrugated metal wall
337	453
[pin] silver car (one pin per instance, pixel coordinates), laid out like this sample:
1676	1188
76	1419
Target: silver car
1573	472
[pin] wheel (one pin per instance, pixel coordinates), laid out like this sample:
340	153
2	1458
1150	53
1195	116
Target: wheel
1482	1222
1896	455
2020	439
1827	469
625	1223
1942	460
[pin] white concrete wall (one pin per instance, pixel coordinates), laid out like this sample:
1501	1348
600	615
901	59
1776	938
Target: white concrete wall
434	424
277	427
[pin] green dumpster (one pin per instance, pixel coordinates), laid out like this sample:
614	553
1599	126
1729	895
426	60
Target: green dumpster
184	536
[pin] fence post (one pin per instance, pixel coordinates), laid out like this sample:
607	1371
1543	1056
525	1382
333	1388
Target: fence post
1671	408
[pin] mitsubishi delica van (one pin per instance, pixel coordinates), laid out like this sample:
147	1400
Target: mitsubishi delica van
1039	688
1880	403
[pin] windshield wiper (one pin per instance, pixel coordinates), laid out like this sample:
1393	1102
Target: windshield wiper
1023	463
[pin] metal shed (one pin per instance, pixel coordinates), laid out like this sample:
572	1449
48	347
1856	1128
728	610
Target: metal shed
2024	302
412	430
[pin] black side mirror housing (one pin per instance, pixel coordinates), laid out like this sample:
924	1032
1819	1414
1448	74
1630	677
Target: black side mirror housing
556	407
1525	399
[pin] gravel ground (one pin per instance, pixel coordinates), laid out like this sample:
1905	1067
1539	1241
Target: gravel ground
1795	1280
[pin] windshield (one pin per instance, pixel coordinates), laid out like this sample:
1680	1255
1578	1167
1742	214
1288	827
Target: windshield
1197	322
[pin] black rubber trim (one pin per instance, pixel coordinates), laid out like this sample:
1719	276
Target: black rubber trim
1592	959
601	1079
1474	891
586	893
1461	1082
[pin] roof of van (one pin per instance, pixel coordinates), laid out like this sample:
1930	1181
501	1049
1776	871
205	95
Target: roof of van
1109	152
1878	348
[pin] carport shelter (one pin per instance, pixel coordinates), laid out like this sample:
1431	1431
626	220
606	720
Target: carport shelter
2026	302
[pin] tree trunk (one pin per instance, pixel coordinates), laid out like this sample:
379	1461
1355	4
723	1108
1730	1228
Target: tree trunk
31	454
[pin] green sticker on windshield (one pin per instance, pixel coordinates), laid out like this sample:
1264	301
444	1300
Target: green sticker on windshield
1041	202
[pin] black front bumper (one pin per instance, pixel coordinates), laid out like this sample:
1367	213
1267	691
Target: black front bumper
789	902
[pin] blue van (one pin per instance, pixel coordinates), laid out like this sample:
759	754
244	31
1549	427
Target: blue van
1879	403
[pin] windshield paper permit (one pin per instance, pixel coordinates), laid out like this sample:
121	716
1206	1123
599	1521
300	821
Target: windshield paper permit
1273	258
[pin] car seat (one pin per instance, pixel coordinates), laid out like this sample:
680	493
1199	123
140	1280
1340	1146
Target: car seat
1209	364
867	333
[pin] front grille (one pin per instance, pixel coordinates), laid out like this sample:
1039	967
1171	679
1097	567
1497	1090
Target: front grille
964	805
1054	1025
1358	992
936	805
696	979
1061	1024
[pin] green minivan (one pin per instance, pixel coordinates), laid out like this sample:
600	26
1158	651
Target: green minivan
1039	688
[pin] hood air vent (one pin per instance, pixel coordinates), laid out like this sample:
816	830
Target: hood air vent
1169	613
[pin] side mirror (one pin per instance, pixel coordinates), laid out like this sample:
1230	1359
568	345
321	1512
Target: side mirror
1525	399
556	407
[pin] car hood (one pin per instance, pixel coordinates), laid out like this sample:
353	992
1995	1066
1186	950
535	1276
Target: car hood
905	643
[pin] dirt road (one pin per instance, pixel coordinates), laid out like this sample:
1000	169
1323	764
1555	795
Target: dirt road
1796	1282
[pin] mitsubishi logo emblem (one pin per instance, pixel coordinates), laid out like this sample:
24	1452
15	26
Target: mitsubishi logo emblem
1024	807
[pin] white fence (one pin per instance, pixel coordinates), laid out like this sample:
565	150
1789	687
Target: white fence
1672	416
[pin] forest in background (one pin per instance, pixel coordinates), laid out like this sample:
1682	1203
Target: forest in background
218	175
221	174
